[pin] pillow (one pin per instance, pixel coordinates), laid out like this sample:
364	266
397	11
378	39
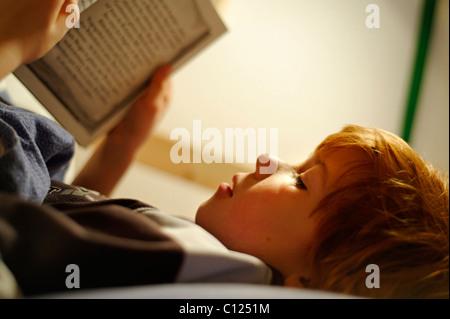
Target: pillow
206	259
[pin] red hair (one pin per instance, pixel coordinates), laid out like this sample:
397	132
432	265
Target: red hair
392	211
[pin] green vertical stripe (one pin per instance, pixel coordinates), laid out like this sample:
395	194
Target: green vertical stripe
417	74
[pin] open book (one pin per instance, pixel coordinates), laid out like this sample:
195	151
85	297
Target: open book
90	78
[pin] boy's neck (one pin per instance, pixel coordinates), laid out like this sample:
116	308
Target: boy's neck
10	58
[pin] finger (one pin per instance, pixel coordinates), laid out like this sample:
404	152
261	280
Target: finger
160	82
161	75
60	9
68	15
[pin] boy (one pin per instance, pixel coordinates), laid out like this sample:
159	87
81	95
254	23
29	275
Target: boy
363	198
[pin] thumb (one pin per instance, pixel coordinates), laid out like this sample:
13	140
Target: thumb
162	73
69	15
159	81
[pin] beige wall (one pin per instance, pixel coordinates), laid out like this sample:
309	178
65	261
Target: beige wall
430	136
308	68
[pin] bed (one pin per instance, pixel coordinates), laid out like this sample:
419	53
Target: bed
123	249
125	253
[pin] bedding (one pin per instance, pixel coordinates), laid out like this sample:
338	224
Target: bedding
33	150
226	291
114	243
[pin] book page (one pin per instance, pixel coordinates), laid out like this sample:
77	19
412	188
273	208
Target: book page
99	68
84	4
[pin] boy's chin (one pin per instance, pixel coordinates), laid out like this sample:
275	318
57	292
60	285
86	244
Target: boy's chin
217	200
207	211
201	211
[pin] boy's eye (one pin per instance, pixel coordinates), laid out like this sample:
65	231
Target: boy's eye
299	182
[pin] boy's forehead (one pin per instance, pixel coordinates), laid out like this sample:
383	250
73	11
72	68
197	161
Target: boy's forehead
340	158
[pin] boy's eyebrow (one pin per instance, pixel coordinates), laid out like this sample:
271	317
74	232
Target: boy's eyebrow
325	169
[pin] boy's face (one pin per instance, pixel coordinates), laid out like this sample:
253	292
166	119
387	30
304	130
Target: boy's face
269	216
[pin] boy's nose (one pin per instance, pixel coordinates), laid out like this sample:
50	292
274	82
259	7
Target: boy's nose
266	165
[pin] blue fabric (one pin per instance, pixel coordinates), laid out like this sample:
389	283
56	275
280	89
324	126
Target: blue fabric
4	95
35	150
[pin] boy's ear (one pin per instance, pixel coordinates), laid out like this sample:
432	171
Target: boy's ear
295	281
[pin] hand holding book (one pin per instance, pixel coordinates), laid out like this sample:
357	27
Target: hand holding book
146	112
90	79
116	152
